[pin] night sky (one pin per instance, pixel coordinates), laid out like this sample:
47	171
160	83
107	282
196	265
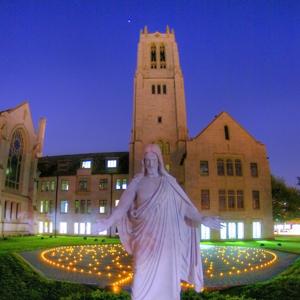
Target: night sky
74	61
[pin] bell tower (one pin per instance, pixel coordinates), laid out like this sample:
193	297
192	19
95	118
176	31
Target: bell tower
159	114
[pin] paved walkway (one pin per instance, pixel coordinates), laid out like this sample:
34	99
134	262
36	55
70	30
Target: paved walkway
106	265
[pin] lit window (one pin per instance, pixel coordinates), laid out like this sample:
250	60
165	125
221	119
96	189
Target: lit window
76	230
254	169
43	187
63	227
205	201
50	227
46	227
88	228
124	184
112	163
42	206
256	229
205	232
52	186
204	168
116	202
240	230
223	231
86	164
231	230
118	184
64	206
41	227
255	200
102	206
65	185
82	228
103	183
167	166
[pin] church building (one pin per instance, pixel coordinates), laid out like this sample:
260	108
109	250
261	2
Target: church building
224	170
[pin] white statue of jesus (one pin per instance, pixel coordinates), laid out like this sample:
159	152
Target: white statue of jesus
158	225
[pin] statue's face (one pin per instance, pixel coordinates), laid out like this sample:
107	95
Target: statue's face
151	163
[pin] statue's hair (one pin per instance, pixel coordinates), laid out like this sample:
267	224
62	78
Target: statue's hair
153	148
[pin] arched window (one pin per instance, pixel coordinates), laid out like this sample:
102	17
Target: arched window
153	56
162	56
14	162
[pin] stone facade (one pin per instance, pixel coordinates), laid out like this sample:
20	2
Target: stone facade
20	147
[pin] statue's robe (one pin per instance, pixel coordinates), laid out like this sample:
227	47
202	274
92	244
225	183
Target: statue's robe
163	240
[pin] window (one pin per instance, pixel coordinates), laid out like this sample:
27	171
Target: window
63	227
238	167
226	132
5	209
44	206
167	166
116	203
153	89
220	167
88	206
256	230
64	206
164	89
82	206
205	202
14	162
167	148
45	227
255	200
204	168
43	187
231	199
118	184
124	184
65	185
83	184
52	185
153	56
239	199
104	232
103	183
162	55
232	230
158	89
18	210
229	167
77	206
102	206
222	200
111	163
205	232
11	210
86	164
159	119
254	169
76	228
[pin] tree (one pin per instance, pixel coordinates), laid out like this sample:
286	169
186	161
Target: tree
286	200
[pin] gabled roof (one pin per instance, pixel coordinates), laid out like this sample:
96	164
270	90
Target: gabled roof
229	116
9	110
67	165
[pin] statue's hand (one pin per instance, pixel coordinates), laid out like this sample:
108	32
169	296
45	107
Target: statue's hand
212	222
102	225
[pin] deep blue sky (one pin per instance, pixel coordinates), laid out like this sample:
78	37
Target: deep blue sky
74	61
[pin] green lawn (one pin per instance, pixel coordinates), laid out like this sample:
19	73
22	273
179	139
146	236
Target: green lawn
19	281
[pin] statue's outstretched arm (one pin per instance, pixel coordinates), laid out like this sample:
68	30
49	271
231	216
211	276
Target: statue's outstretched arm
118	212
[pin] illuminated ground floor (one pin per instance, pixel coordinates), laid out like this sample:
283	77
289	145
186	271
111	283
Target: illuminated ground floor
110	265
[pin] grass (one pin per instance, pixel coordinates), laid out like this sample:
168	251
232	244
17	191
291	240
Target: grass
19	281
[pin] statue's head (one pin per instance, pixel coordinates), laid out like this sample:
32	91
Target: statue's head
153	161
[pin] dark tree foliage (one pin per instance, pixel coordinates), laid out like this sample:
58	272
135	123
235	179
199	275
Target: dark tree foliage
286	200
